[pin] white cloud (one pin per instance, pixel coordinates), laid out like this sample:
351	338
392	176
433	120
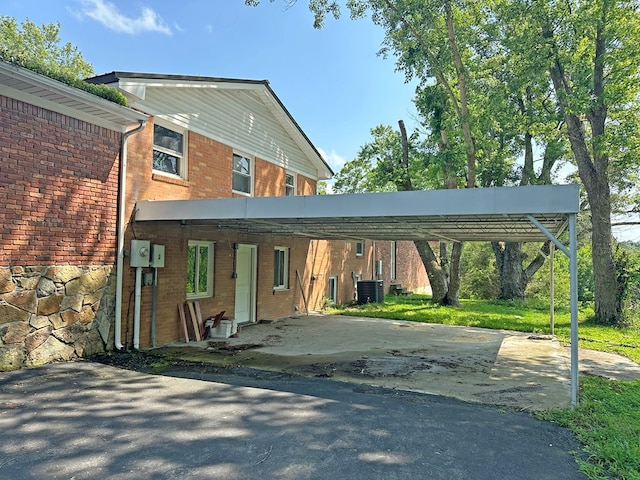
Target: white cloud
335	161
108	15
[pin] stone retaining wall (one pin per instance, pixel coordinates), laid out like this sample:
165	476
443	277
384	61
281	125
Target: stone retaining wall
52	313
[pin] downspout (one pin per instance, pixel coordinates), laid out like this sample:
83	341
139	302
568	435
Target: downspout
122	176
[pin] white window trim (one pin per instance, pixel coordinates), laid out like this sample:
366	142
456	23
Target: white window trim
295	183
251	173
184	159
285	286
361	253
333	292
392	261
210	263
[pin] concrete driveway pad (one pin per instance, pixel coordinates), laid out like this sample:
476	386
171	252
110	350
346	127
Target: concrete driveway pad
518	370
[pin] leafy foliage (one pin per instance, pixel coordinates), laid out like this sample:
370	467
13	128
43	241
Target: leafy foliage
39	49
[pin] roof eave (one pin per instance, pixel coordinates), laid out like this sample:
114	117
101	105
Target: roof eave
45	92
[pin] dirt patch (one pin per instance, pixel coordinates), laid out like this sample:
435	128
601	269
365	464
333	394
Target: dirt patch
223	346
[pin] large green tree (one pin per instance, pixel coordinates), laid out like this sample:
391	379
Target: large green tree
591	53
40	48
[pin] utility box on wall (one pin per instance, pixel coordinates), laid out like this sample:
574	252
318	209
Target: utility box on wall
140	253
157	256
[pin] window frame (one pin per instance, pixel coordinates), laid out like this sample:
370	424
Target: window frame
234	172
210	272
359	249
182	160
293	186
333	290
285	278
392	260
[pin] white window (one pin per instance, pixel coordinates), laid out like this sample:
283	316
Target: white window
170	150
242	174
392	261
359	249
281	268
333	289
199	269
290	184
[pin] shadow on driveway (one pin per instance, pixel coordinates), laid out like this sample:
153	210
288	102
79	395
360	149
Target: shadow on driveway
86	420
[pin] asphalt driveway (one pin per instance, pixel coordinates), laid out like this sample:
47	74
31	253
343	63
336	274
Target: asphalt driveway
84	420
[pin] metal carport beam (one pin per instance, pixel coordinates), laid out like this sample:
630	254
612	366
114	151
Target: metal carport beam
571	252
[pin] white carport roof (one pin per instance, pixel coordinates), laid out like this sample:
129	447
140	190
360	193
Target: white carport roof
481	214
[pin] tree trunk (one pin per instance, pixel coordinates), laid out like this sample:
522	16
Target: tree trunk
593	165
513	278
453	293
436	274
608	303
509	260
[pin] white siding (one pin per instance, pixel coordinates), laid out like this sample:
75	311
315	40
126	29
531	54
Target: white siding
238	118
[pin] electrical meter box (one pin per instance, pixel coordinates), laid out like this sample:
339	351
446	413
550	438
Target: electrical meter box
140	253
157	256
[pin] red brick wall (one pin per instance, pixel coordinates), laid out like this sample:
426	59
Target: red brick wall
269	179
172	278
339	259
58	188
410	271
306	186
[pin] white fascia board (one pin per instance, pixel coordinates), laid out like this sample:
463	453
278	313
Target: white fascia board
539	199
168	83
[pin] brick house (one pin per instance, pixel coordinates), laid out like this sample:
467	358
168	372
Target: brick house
224	138
75	169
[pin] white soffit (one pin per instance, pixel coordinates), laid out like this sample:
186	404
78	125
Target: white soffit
481	214
30	87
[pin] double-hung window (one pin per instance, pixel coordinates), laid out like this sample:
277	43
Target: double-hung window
199	269
290	184
242	174
170	150
281	268
359	249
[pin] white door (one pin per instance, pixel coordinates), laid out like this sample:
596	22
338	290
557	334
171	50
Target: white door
246	283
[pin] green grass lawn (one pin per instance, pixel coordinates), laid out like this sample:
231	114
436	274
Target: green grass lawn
518	316
607	420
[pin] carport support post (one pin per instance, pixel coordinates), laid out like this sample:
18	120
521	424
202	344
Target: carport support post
572	253
552	292
573	285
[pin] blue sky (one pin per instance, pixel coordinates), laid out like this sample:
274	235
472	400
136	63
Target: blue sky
331	80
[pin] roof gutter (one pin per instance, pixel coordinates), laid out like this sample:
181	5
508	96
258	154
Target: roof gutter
122	174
